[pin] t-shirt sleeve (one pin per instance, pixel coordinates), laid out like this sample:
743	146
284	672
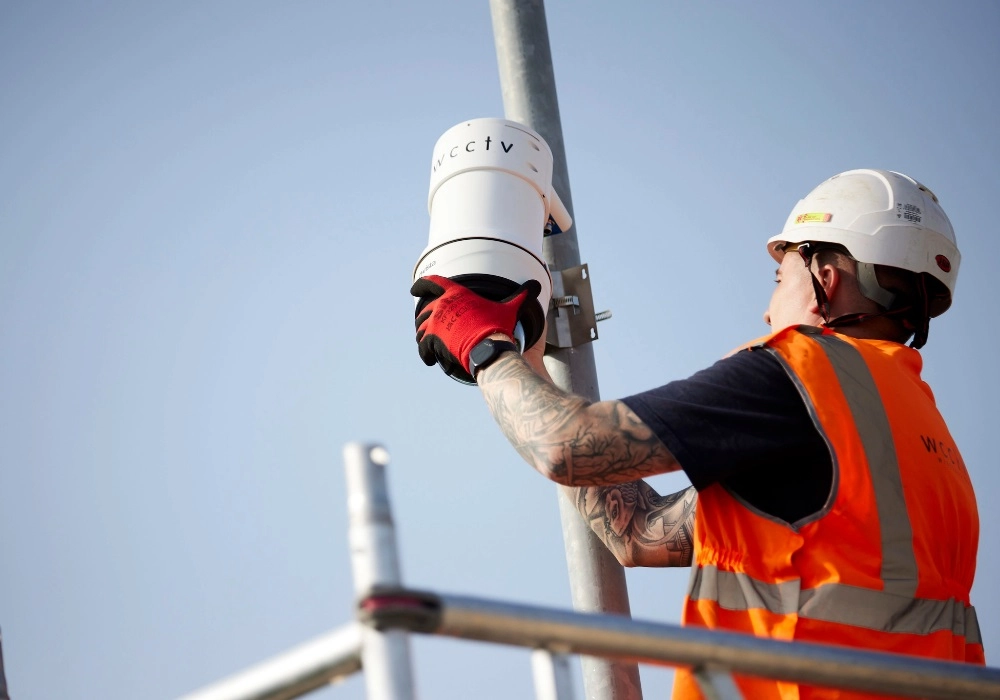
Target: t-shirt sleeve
743	413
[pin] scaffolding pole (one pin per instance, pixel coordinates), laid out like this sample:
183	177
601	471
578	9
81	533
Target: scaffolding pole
307	667
385	656
552	675
712	654
527	81
3	677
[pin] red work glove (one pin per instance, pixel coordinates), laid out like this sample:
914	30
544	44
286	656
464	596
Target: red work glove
456	319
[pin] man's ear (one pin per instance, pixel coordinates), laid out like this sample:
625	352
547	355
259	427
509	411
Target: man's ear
830	276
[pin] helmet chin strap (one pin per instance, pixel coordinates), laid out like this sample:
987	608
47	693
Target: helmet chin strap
867	271
822	300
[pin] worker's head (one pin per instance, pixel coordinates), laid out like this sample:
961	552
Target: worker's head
870	248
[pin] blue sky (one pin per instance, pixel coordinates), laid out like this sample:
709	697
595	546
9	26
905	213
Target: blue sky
209	214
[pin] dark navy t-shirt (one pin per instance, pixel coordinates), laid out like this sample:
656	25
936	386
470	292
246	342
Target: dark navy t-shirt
742	423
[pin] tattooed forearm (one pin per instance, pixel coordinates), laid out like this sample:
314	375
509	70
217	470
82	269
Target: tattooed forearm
640	527
568	439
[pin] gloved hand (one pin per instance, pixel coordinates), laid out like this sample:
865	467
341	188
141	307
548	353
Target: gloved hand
457	319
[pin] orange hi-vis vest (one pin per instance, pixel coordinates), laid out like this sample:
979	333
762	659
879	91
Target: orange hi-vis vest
888	563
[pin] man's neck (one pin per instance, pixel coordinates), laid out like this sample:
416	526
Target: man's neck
878	328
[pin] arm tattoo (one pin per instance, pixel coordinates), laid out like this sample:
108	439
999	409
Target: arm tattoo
565	437
640	527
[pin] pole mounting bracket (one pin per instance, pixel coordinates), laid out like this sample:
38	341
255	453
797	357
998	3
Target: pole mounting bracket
571	317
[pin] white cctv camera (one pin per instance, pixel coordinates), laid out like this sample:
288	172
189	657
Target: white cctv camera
491	201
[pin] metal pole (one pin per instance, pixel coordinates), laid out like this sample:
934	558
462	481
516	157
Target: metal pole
3	677
527	81
298	671
716	684
374	562
715	651
552	676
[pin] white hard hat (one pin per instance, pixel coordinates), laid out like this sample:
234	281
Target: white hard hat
882	218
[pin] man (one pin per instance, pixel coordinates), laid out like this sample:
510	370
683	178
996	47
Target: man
828	501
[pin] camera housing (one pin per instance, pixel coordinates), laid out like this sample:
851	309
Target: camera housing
491	202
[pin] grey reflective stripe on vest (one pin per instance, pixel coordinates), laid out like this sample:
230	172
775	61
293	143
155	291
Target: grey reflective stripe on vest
836	602
893	609
899	564
735	591
879	610
972	633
